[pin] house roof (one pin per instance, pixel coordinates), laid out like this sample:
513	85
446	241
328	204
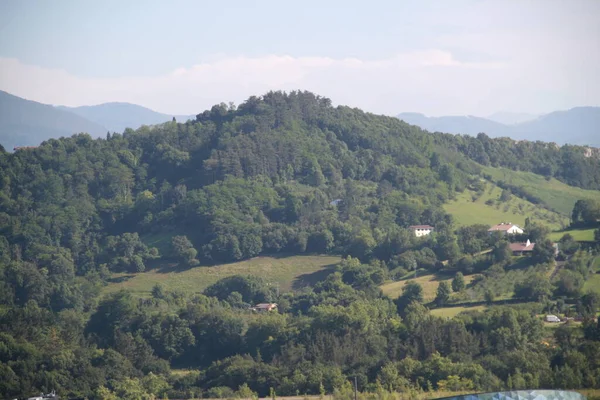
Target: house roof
266	305
420	227
502	227
522	246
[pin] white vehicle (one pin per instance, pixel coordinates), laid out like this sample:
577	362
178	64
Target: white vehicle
552	318
50	396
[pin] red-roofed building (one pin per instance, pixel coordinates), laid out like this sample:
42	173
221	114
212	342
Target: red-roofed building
421	230
506	228
519	249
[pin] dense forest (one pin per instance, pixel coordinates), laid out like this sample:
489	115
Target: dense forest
283	173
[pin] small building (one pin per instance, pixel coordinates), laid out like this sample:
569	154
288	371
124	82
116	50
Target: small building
265	307
335	202
421	230
506	228
520	249
552	318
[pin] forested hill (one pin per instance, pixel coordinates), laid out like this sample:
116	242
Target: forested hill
253	179
281	173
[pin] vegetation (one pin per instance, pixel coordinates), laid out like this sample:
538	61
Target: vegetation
186	215
289	272
484	206
554	194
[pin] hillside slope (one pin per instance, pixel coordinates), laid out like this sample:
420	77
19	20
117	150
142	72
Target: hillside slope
486	208
27	123
118	116
551	192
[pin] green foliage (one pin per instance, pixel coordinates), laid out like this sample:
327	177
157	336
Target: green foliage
586	212
184	250
443	294
501	252
252	289
458	283
535	287
411	292
283	173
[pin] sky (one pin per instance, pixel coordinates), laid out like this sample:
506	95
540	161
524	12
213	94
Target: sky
446	57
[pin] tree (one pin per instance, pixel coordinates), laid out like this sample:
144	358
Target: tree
505	196
158	291
569	283
535	287
585	212
411	292
590	303
458	283
501	252
443	294
543	251
253	289
183	250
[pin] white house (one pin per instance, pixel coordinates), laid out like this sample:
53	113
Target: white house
506	228
421	230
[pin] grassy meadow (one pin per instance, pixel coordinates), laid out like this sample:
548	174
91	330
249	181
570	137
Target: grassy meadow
580	235
429	283
467	211
557	195
451	312
288	272
593	282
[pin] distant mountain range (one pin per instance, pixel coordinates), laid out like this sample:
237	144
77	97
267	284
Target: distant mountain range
116	117
511	118
580	125
28	123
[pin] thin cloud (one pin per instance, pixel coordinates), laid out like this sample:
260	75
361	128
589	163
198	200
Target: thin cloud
422	80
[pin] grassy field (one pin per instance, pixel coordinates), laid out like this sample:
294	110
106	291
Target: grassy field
559	196
593	282
429	283
580	235
289	272
451	312
468	212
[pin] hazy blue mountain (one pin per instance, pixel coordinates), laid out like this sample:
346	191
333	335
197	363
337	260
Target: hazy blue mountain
468	125
580	126
28	123
511	118
118	116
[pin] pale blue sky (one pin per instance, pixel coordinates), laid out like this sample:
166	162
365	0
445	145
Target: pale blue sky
436	57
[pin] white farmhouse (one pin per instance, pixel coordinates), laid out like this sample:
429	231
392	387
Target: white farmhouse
421	230
506	228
